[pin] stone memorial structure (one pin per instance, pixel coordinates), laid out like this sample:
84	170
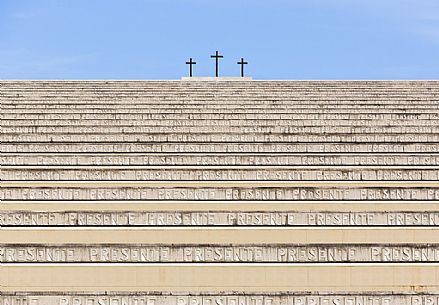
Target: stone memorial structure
224	191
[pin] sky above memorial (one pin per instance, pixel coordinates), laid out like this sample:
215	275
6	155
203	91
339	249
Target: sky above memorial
281	39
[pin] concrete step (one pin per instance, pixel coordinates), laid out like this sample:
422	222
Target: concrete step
268	214
229	138
382	282
169	109
321	115
211	252
224	297
231	173
220	190
57	130
237	147
219	100
218	160
285	124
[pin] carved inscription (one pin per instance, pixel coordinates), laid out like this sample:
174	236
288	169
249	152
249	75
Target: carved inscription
237	298
194	174
222	147
217	218
222	137
209	108
208	193
37	128
286	125
299	115
221	159
218	253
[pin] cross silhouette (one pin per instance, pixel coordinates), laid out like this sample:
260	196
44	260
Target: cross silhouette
242	63
216	56
190	63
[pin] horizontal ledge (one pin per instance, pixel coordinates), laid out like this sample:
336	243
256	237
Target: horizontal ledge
221	167
222	265
220	253
187	294
182	203
234	154
218	184
219	278
194	235
225	297
305	216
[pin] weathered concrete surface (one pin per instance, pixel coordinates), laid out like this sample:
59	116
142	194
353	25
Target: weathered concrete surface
224	298
314	278
164	218
384	236
345	155
222	159
219	253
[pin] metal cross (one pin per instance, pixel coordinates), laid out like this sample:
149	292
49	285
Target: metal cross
190	63
242	63
216	56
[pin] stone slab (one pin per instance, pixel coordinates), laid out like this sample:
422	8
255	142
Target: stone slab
271	148
285	125
228	138
270	218
209	253
72	129
224	298
221	174
219	159
221	236
188	110
304	115
261	279
16	191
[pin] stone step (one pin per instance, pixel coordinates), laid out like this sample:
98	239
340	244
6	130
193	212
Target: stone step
217	236
238	147
220	96
219	160
219	253
216	113
229	138
135	84
226	112
379	281
286	124
233	116
305	215
224	297
216	95
55	129
169	109
225	104
219	82
209	91
146	173
219	100
220	190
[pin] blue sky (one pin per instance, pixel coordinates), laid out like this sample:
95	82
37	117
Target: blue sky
152	39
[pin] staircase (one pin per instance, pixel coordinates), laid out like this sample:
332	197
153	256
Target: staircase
219	193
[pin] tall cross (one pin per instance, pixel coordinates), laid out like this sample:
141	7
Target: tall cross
242	63
190	63
216	56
